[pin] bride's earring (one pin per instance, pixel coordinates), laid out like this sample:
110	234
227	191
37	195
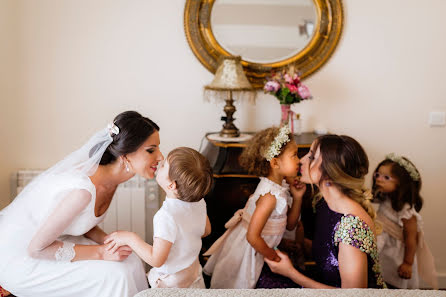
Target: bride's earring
126	164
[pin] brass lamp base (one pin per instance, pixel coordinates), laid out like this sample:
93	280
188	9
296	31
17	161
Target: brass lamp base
229	129
229	133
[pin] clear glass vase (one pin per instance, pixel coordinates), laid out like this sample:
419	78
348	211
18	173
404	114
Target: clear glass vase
287	117
286	110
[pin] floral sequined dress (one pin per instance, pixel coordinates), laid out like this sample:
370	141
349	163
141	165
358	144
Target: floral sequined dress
330	229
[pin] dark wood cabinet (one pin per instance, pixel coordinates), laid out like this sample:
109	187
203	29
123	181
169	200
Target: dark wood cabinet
233	186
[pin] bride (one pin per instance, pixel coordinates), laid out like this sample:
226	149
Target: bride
51	244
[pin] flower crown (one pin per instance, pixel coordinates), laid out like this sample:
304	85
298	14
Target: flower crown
406	164
280	139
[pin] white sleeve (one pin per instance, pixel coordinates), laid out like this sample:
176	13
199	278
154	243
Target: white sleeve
164	226
406	213
204	212
43	244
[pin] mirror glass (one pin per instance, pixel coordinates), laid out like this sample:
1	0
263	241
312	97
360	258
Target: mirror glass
263	31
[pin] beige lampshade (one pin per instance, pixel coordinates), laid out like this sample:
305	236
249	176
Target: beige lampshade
229	80
230	76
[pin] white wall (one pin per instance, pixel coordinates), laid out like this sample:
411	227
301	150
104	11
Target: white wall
9	88
67	67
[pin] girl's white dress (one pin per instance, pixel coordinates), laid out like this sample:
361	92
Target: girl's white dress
391	249
26	276
236	264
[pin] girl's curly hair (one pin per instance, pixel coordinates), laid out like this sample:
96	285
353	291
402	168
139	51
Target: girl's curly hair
252	157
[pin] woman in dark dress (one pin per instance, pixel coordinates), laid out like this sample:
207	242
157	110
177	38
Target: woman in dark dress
344	244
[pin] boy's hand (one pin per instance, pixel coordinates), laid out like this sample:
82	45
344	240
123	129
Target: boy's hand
120	254
117	239
405	271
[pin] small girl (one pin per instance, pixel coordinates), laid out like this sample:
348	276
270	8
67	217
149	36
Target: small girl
179	225
255	231
397	183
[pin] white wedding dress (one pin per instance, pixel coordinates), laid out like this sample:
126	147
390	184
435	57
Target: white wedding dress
25	276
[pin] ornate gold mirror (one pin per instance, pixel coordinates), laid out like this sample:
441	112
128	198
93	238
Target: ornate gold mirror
267	34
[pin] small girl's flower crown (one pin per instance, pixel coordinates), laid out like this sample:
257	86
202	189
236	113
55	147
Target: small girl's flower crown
280	140
407	165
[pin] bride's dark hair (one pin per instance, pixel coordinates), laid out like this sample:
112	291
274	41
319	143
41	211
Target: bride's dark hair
134	129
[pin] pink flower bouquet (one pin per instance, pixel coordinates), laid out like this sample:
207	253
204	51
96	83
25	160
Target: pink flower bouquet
287	87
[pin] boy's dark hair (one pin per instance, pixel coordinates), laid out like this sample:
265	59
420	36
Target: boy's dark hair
407	189
191	172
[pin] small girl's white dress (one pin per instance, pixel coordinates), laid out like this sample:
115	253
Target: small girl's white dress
234	263
391	248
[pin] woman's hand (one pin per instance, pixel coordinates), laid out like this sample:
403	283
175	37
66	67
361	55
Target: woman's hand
274	258
117	239
283	267
120	254
405	271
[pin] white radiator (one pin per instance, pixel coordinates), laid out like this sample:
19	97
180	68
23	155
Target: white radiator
133	206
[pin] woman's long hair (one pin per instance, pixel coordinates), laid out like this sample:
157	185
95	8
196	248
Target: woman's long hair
344	165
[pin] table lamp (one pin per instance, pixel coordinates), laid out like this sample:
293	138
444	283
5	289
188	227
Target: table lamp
229	79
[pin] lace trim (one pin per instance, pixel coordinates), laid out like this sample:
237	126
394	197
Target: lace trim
281	192
386	210
353	231
66	252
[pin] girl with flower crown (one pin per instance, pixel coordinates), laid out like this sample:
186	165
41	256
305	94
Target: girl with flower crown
403	253
237	258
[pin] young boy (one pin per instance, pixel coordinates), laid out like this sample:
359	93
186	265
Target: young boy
179	225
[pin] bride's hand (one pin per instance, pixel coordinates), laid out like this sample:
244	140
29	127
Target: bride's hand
120	254
283	267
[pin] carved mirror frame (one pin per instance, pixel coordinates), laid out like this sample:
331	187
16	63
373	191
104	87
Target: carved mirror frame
330	18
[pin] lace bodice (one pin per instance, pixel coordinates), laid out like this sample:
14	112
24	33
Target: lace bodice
385	209
281	192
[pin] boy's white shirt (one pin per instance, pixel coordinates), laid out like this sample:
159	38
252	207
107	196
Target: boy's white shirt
183	224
